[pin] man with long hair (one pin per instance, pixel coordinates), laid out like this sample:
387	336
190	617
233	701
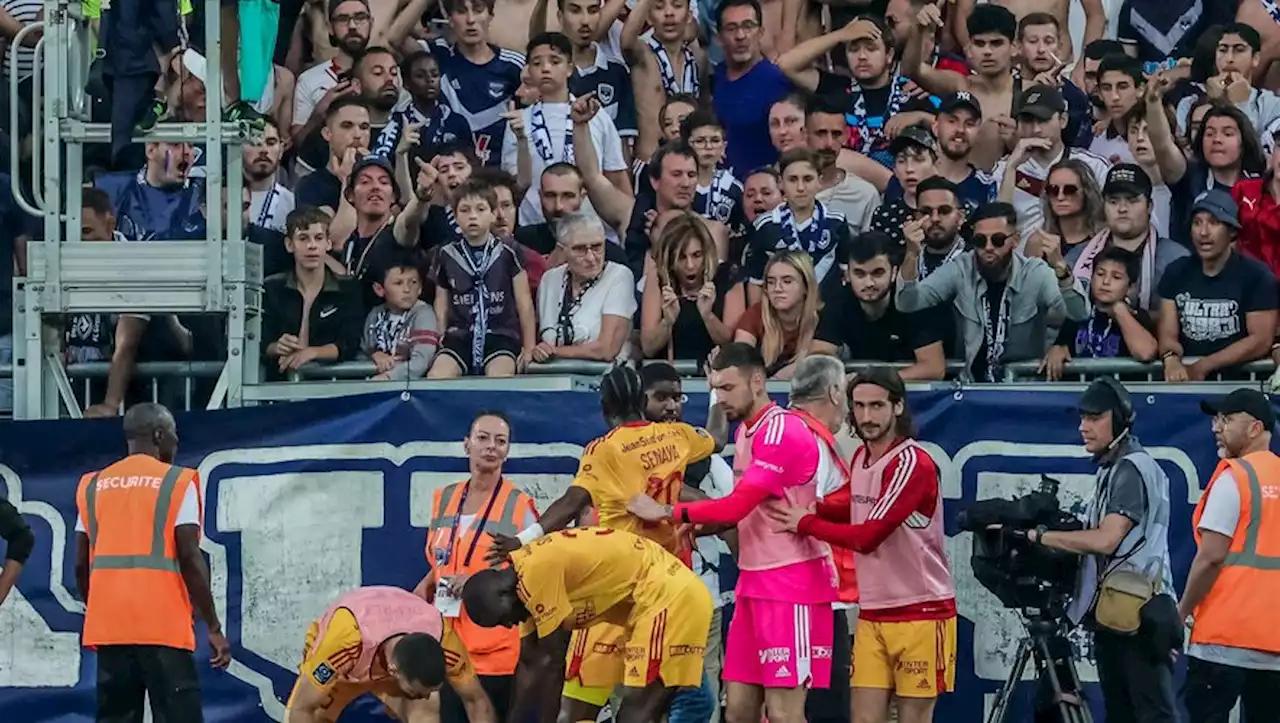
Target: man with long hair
904	644
781	635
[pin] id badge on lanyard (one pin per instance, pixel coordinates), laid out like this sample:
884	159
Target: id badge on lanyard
450	605
447	603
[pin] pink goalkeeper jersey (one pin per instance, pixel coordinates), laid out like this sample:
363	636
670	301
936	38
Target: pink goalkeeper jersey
777	452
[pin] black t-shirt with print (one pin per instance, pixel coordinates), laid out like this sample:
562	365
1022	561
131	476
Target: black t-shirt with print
1099	337
368	258
894	337
1212	310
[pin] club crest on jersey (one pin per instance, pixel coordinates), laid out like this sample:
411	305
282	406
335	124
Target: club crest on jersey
604	92
721	211
497	90
825	241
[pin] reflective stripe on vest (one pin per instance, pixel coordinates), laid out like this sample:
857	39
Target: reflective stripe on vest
442	519
157	560
1248	555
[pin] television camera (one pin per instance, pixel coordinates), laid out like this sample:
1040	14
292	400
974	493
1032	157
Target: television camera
1037	581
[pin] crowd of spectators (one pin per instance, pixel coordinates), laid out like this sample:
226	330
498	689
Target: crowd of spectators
468	188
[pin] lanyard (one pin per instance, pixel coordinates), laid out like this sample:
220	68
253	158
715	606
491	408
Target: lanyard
265	213
457	522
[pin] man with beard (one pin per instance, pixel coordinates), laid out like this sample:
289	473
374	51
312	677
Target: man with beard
346	132
269	201
1006	302
826	129
782	630
424	125
859	314
478	79
561	195
878	104
350	23
905	641
378	78
955	128
1127	195
938	221
915	155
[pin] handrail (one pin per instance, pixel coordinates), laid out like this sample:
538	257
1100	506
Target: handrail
1030	370
686	367
15	150
37	123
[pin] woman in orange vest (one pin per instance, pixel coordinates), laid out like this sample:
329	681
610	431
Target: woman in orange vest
141	573
464	517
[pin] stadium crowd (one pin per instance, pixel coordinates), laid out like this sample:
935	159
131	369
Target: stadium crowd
462	189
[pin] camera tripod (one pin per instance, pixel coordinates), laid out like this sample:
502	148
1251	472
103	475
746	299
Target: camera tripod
1055	671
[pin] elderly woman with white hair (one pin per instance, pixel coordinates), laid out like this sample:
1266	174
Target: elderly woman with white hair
586	304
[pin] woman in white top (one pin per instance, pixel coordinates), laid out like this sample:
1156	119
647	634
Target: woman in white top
585	305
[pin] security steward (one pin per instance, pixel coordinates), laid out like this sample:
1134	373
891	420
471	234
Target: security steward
139	569
464	516
1234	581
1126	548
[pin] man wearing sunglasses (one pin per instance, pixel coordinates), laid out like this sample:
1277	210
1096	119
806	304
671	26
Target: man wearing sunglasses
1005	301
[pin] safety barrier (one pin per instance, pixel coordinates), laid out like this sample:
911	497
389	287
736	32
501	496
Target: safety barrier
1130	370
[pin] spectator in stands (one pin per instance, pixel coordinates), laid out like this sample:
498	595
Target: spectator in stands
1006	302
1259	202
1020	177
915	158
161	201
1236	59
801	224
1116	329
546	131
691	301
482	296
454	162
270	201
860	317
786	123
585	306
826	129
346	133
479	79
401	335
956	128
1195	122
1154	148
664	59
761	192
1087	69
350	25
671	118
88	337
1127	204
560	193
783	323
1120	86
745	86
599	68
505	187
425	123
1225	150
1072	207
941	216
1041	58
1218	305
718	195
309	313
378	77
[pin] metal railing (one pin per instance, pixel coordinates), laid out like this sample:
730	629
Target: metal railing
1132	370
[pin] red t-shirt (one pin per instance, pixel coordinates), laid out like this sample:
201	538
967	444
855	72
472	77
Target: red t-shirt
1259	222
752	322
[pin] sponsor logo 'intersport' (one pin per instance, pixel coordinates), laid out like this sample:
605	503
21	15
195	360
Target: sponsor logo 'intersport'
304	501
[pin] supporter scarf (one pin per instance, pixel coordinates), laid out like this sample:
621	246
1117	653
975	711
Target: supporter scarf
687	84
868	137
540	134
479	270
957	248
810	237
569	305
267	211
1146	279
431	136
1272	9
721	182
995	336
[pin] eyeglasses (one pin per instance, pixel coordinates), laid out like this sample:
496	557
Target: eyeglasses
747	26
708	142
996	240
927	211
585	250
356	19
1064	191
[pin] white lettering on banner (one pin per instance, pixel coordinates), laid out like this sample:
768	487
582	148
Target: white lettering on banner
32	655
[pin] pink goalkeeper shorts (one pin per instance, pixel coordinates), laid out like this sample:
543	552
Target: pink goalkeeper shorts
779	644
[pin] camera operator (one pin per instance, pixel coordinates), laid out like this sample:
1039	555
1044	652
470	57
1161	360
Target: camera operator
1233	584
1126	549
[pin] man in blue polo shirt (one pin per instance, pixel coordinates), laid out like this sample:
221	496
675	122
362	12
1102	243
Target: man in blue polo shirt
745	86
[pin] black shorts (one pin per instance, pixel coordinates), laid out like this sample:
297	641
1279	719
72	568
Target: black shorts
126	673
459	347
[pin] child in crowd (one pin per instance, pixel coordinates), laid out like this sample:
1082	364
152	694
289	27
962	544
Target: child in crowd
401	334
483	301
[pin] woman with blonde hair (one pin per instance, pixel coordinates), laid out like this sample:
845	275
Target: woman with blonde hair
690	302
782	324
1072	207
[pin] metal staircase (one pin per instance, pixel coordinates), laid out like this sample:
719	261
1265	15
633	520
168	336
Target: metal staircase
221	275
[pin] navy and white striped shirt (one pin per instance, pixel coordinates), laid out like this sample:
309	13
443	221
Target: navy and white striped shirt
480	93
610	80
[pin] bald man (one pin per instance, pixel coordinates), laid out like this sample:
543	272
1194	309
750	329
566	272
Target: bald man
139	569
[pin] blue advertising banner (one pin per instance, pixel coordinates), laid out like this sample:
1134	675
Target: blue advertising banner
306	500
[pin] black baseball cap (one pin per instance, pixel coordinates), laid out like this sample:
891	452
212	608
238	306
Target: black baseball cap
918	136
1127	179
951	102
1042	102
1250	401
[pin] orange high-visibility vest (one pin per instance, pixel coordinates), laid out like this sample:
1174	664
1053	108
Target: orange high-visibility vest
1238	610
136	592
493	651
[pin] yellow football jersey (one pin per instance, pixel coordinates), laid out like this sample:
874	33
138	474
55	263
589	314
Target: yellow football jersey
574	578
641	457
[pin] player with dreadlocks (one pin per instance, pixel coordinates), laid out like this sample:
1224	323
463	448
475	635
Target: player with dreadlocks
636	456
